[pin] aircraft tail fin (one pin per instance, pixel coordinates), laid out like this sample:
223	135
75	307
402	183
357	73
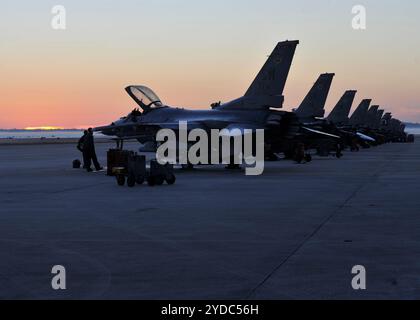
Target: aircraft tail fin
340	114
371	116
359	115
271	79
314	102
378	119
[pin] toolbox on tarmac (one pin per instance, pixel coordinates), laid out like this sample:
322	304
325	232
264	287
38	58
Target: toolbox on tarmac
117	158
136	172
160	173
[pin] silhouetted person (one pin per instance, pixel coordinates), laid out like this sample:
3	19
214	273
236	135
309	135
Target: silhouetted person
81	148
300	152
354	147
89	146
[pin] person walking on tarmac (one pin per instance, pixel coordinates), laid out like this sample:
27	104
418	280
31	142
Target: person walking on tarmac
89	148
80	147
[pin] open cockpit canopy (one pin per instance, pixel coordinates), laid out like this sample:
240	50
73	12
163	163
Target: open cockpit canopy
144	97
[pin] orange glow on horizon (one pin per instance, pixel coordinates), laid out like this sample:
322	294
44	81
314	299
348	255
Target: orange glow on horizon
45	128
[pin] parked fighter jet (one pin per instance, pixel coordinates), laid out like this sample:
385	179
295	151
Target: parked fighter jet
358	123
393	129
255	110
368	127
338	124
311	113
373	127
339	118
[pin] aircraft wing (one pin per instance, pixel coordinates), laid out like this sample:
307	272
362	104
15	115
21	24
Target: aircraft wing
365	137
321	133
161	125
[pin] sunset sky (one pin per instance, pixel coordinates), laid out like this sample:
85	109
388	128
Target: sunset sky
194	52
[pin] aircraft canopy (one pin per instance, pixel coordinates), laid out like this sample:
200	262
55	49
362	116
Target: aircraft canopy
144	97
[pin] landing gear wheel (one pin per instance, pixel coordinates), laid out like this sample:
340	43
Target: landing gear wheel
120	180
271	157
171	179
299	158
140	179
308	158
159	180
339	154
288	154
131	181
151	181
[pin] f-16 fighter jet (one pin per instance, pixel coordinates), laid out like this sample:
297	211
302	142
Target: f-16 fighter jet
311	113
393	129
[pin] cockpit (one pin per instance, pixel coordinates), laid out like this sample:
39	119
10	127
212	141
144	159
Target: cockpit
144	97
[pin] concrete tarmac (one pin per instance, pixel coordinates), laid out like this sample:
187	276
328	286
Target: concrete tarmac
294	233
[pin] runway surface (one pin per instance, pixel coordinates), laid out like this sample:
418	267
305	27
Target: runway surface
295	232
